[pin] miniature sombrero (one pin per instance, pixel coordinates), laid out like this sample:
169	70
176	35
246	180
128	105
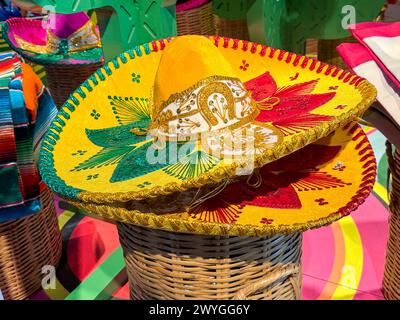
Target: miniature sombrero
61	39
169	116
309	188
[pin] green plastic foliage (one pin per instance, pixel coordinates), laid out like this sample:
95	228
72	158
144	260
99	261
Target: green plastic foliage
288	23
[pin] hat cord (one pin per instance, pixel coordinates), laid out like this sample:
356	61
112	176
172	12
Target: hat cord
213	193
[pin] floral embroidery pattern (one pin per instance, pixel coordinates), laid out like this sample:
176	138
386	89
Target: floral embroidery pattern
95	115
122	147
136	78
244	65
79	153
266	221
127	146
282	180
288	108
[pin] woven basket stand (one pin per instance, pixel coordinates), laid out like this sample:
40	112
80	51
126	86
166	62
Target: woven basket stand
391	279
63	80
164	265
198	20
235	29
26	246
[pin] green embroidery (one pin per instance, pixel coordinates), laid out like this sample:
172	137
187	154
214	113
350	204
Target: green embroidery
192	165
136	78
134	155
95	115
79	153
105	157
92	176
128	110
144	184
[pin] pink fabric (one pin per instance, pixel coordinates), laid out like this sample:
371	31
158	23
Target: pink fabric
375	29
63	25
29	30
191	4
362	31
34	31
354	54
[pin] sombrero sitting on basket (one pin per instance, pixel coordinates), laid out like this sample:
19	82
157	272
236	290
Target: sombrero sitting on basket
61	39
166	117
295	193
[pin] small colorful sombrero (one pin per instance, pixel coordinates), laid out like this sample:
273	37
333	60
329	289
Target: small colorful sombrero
61	39
310	188
170	116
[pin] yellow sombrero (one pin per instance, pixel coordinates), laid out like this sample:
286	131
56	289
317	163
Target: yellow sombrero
309	188
169	116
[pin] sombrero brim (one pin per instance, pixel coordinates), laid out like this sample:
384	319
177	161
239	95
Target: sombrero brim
90	155
298	192
16	26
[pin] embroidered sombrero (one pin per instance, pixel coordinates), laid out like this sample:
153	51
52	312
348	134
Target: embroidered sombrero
61	39
309	188
169	116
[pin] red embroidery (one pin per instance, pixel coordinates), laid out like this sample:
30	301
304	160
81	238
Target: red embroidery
218	211
266	221
244	65
281	182
295	77
290	106
321	201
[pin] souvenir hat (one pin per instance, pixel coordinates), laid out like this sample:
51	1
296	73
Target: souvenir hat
180	114
295	193
60	39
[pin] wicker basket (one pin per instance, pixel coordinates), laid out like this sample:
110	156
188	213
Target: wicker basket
196	20
165	265
327	51
62	80
26	245
235	29
391	279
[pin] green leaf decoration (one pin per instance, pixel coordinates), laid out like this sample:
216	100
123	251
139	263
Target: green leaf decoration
128	110
192	165
117	136
105	157
136	164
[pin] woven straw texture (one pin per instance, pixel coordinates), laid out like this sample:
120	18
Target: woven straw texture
26	245
196	21
391	280
170	266
236	29
327	51
63	80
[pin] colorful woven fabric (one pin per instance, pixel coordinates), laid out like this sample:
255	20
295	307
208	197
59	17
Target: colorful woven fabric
96	149
25	113
61	39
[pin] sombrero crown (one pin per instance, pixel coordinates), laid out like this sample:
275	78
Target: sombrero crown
198	97
173	115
